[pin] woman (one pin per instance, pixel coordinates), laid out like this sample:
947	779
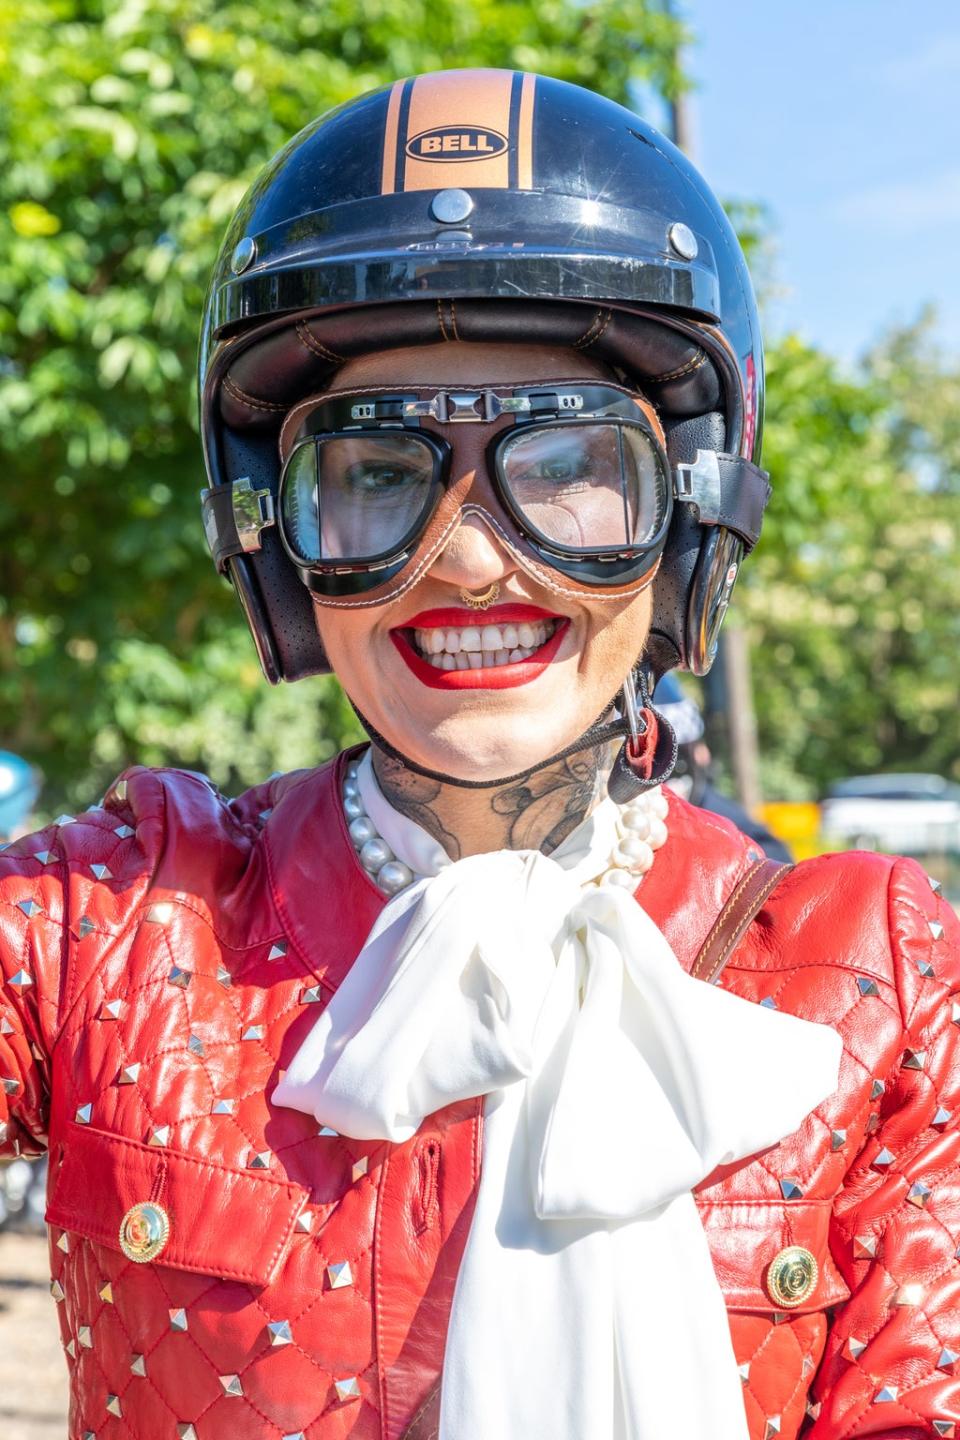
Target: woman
390	1099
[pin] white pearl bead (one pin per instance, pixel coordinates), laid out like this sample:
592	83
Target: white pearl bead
352	807
375	854
394	877
351	787
638	857
621	878
353	769
658	833
637	821
361	830
658	804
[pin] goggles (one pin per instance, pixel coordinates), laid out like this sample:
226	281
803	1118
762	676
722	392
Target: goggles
578	469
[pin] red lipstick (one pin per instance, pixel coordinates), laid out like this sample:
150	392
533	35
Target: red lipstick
496	615
491	677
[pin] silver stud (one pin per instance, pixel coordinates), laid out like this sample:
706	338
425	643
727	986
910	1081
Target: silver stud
82	1116
865	1247
837	1139
180	978
909	1295
854	1348
57	1291
89	1435
223	1107
360	1168
884	1158
769	1003
128	1075
101	872
955	1013
253	1032
327	1131
195	1046
942	1118
244	254
71	1349
29	907
110	1010
877	1089
807	1367
812	1411
886	1394
294	1435
160	914
124	831
945	1427
451	207
914	1059
264	816
925	969
280	1332
935	885
63	820
919	1194
936	929
106	1293
113	1405
948	1358
138	1365
20	981
339	1274
258	1160
304	1222
311	996
10	1085
159	1137
866	986
231	1384
873	1123
178	1320
185	1431
224	977
348	1389
772	1427
5	1027
64	1242
684	243
278	950
85	1337
85	927
791	1188
44	856
744	1372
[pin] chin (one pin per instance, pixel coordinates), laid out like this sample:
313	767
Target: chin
471	749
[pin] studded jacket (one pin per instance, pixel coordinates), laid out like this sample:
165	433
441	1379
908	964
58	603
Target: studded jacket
163	957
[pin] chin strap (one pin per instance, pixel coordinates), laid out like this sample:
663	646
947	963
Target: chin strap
645	759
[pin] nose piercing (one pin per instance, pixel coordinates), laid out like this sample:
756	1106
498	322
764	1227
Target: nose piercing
483	601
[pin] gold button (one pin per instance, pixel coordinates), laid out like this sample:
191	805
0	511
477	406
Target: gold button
144	1231
792	1277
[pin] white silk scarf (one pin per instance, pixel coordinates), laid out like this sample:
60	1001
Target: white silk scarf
586	1306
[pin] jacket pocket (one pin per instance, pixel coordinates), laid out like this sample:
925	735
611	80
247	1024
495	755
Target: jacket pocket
227	1223
745	1237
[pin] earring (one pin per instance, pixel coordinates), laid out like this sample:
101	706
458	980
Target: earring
483	601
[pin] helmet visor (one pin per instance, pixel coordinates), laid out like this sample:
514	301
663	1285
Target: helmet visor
358	499
586	487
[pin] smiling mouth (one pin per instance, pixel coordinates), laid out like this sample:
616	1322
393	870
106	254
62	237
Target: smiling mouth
481	647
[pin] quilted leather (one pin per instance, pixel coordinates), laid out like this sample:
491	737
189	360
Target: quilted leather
162	958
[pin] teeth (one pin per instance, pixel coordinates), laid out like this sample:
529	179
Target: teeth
476	646
470	640
526	635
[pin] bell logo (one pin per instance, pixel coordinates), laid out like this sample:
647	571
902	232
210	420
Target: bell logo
456	142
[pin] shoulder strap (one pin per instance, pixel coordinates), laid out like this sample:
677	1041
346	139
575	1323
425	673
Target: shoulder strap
735	918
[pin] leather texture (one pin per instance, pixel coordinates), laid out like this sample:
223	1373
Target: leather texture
220	928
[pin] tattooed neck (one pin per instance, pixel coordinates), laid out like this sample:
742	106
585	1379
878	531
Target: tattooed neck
535	814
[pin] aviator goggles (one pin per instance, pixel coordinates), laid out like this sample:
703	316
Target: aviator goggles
577	468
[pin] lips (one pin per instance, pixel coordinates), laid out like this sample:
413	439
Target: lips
481	676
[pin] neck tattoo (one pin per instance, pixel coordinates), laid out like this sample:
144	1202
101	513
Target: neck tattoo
641	831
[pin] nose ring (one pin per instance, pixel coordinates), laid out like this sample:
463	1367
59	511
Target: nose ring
483	601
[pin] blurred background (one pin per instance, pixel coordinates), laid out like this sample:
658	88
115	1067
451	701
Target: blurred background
132	128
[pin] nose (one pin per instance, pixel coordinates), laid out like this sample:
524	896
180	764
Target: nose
474	557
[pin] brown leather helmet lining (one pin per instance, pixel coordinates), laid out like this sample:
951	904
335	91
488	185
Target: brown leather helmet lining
271	375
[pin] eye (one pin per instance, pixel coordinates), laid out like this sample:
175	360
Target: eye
379	479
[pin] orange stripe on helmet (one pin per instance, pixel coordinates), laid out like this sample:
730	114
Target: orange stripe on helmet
387	180
525	133
455	130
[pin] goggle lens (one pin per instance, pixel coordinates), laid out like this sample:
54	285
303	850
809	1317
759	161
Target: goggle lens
585	487
347	499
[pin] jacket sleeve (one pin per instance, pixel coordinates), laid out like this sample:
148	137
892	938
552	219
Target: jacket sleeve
891	1367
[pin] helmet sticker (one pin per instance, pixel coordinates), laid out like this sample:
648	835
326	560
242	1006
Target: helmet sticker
428	146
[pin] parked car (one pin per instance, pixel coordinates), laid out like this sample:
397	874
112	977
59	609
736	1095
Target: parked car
908	814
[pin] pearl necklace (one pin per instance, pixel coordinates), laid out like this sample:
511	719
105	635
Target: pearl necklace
641	830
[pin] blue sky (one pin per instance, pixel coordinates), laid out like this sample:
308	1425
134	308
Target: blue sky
843	116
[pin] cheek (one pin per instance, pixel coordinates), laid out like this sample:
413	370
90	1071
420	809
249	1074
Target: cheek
617	637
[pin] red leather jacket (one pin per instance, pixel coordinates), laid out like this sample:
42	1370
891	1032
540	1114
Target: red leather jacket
163	958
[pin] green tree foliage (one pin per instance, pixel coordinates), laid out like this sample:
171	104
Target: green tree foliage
130	130
853	596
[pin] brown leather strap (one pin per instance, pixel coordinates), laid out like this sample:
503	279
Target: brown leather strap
426	1422
736	917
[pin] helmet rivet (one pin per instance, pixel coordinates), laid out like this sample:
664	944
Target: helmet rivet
451	206
683	240
243	255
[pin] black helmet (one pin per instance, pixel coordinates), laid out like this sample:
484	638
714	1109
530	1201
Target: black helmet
484	205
